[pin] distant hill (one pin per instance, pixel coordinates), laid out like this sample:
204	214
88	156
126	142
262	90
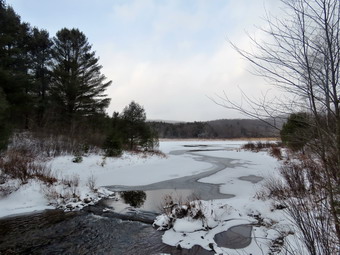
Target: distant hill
167	121
225	128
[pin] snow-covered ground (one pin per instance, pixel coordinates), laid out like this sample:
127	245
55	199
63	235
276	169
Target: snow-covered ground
27	198
130	169
136	169
243	208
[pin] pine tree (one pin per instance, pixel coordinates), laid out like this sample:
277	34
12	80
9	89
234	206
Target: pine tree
4	127
14	61
77	87
40	50
136	132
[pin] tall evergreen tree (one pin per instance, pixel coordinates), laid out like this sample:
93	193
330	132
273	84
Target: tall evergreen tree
78	87
14	62
40	49
4	128
136	132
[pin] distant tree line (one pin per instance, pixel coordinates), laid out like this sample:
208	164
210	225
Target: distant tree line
226	128
55	85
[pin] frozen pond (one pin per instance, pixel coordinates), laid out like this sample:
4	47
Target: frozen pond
123	227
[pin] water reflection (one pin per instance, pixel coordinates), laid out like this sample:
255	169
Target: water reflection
135	198
148	200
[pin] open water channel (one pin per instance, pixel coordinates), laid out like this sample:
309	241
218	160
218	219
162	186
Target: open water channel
125	229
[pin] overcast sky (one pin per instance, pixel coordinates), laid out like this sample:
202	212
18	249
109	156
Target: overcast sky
168	55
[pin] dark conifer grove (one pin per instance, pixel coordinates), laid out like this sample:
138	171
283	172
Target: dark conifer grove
53	87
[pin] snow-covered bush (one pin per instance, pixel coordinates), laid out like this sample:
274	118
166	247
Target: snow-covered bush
191	216
77	159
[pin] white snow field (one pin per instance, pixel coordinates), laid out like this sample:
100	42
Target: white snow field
136	169
243	208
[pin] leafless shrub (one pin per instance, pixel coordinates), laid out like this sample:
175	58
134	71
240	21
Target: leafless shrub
44	173
291	244
196	210
23	165
274	188
50	145
275	152
177	207
316	226
193	197
8	188
157	153
51	194
274	149
249	146
60	196
148	153
91	183
3	177
258	146
72	184
304	196
168	202
261	194
301	57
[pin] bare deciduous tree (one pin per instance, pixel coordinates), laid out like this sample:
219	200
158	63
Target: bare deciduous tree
301	56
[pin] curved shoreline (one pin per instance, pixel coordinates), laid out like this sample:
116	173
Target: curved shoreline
206	191
95	221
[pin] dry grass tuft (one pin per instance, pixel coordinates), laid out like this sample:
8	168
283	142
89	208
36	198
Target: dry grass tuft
23	165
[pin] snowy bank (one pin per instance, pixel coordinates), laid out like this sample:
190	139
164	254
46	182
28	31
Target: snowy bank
243	179
269	224
130	169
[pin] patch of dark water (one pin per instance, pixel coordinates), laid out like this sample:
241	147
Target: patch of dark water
236	237
56	232
94	231
195	145
205	191
148	200
201	150
251	178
